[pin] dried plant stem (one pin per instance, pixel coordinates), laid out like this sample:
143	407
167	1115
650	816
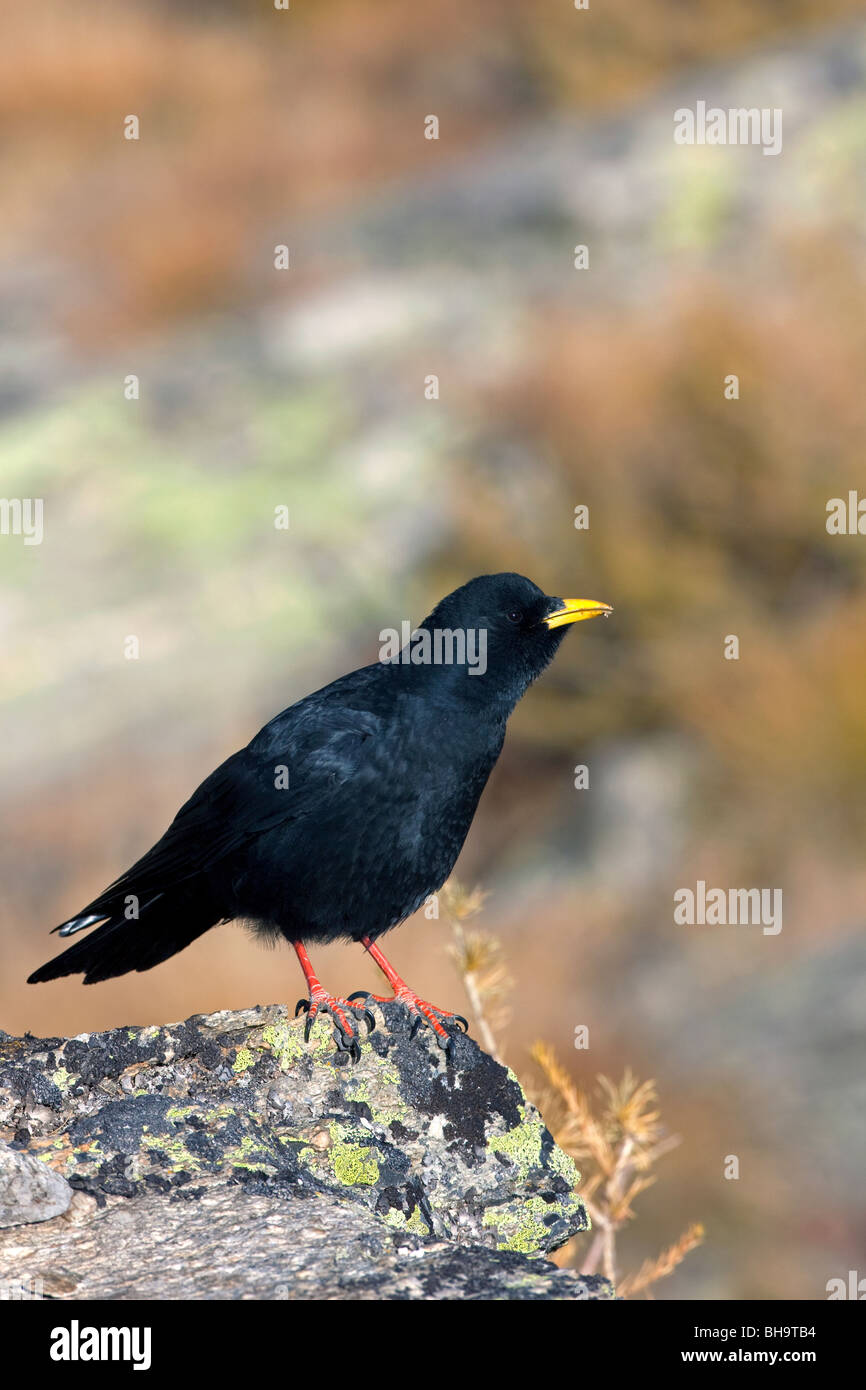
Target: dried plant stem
603	1247
471	984
621	1140
664	1264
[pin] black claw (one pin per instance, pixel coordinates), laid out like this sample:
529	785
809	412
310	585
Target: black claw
345	1040
359	994
416	1024
458	1018
347	1043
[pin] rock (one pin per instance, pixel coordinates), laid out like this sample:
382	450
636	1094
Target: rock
226	1158
232	1244
29	1190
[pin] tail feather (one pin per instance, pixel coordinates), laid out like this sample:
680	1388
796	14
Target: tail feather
165	926
78	924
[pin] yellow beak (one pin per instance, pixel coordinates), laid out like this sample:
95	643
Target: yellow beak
577	610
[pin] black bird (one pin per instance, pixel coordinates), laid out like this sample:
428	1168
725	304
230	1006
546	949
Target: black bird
346	811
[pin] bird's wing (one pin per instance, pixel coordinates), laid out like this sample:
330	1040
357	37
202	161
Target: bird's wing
289	770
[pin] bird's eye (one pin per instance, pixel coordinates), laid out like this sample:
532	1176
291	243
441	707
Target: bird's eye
515	615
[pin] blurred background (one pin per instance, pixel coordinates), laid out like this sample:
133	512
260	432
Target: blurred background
557	388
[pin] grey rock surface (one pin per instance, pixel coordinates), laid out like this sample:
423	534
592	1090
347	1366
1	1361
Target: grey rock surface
29	1190
225	1157
234	1244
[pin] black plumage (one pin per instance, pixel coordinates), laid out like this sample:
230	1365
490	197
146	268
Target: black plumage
345	811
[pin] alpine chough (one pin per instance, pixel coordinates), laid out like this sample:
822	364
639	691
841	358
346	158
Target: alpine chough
346	811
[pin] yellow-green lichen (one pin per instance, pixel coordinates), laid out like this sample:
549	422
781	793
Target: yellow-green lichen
221	1112
303	1152
285	1042
388	1073
91	1148
61	1078
244	1060
309	1157
379	1091
353	1166
564	1166
351	1162
522	1145
175	1150
401	1222
251	1155
523	1229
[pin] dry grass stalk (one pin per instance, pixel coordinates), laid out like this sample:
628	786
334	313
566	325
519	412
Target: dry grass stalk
478	957
620	1138
664	1264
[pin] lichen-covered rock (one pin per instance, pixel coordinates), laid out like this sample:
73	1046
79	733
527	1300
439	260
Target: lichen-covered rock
435	1148
29	1191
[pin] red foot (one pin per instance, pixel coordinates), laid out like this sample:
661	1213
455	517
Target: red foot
344	1014
430	1014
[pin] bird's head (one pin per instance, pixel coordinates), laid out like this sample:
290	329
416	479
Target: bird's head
503	629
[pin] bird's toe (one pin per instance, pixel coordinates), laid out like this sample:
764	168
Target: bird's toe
345	1014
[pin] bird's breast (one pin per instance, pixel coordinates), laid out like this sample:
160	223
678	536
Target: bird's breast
379	841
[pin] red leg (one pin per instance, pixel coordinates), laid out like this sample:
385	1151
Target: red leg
342	1011
424	1012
